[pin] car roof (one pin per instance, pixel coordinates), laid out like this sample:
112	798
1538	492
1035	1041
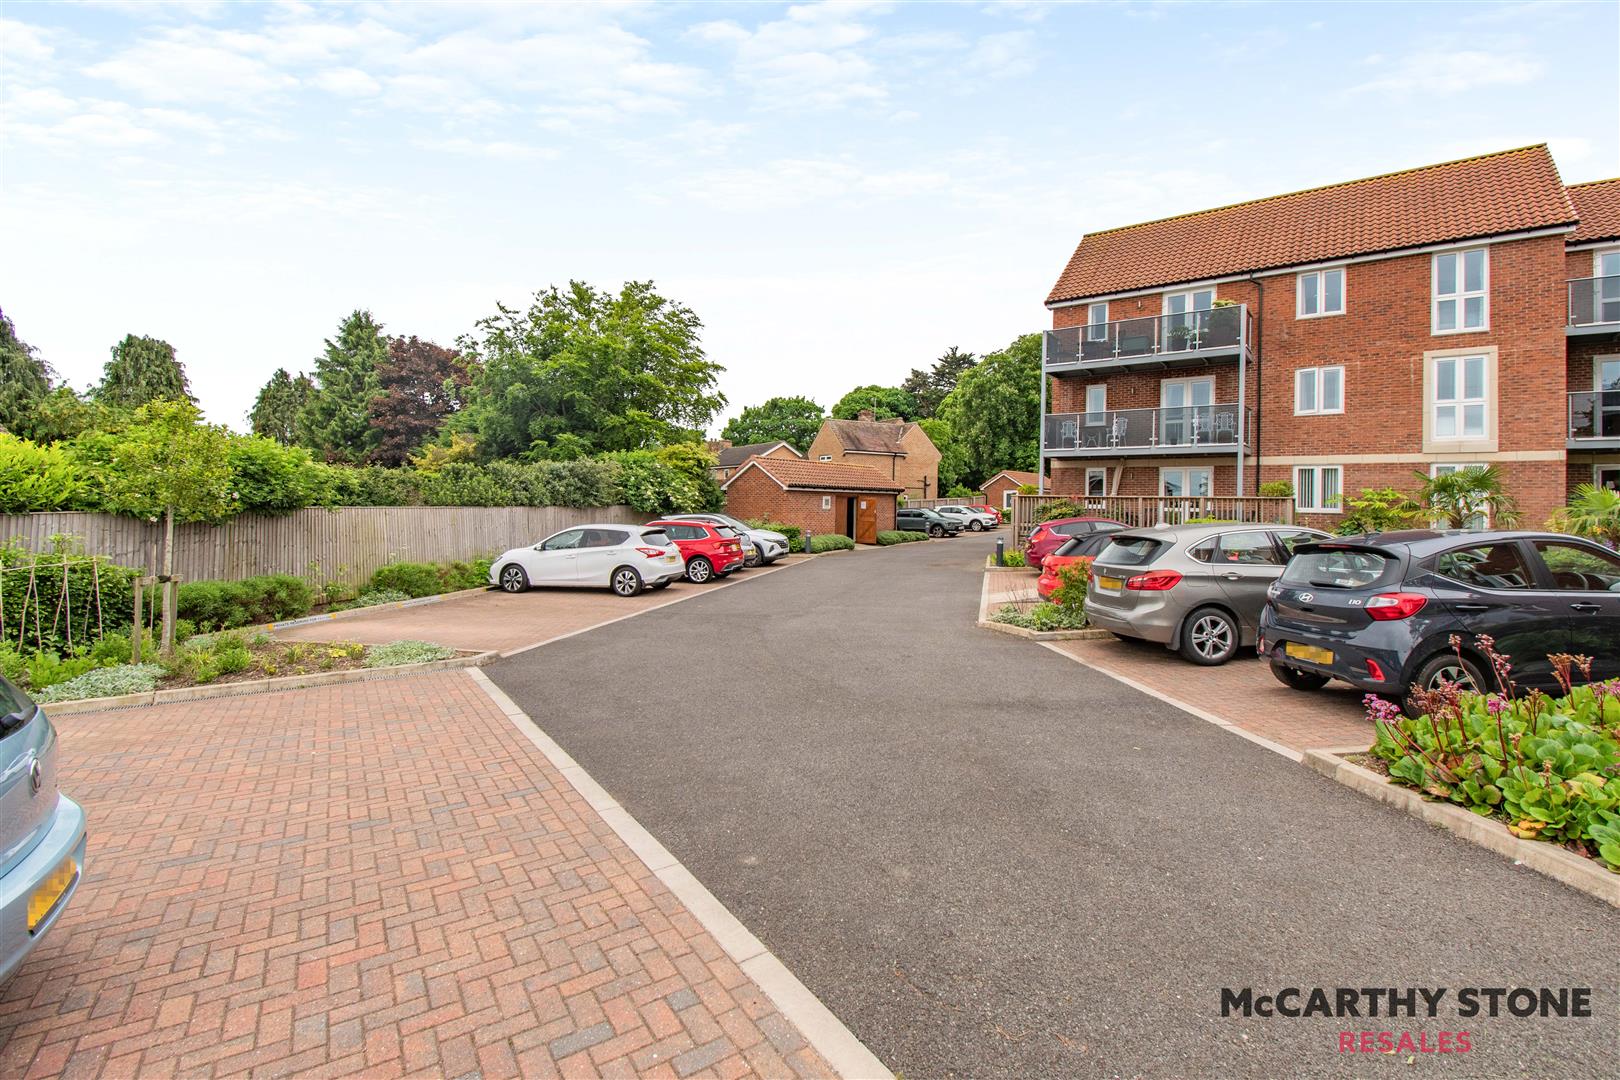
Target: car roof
1422	542
1084	517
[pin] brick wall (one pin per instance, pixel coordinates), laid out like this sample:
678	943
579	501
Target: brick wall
754	495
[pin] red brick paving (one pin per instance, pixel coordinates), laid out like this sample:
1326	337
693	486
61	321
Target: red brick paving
372	879
1242	692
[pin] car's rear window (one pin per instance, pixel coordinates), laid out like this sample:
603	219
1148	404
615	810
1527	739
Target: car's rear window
656	537
1132	551
13	702
725	530
1338	569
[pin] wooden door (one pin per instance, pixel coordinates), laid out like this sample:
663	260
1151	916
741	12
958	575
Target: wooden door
866	519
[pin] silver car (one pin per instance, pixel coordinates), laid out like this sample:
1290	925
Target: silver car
764	546
42	833
971	519
1198	589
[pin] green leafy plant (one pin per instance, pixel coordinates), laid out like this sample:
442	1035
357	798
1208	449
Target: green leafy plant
1379	510
1012	557
45	669
104	682
794	534
35	478
1057	508
821	542
1454	499
1277	489
1593	512
1547	766
899	536
225	605
396	653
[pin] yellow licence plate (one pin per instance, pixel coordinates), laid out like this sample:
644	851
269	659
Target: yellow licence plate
49	891
1110	582
1308	652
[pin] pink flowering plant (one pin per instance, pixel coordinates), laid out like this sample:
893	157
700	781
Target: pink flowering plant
1547	766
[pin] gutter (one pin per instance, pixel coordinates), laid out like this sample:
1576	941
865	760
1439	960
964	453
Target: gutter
1259	374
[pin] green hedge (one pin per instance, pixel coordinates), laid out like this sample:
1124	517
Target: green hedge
821	542
33	587
416	579
225	605
899	536
794	534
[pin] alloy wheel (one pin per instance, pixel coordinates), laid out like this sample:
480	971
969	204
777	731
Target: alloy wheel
1212	636
699	571
625	582
1452	673
512	579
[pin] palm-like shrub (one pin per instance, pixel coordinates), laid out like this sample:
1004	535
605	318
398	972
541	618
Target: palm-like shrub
1454	499
1594	512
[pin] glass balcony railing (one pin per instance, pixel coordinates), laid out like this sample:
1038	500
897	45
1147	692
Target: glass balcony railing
1213	331
1594	301
1191	427
1594	414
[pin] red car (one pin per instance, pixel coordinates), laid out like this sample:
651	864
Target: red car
1051	535
710	550
988	510
1079	551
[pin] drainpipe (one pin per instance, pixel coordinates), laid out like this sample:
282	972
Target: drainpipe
1040	432
1259	398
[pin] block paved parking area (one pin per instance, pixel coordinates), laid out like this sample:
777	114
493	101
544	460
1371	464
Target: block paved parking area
493	620
376	879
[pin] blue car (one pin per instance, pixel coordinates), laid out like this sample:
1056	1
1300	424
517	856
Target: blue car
42	834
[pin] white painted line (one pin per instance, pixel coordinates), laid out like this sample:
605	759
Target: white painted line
827	1034
1220	722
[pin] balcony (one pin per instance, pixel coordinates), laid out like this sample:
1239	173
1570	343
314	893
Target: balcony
1594	306
1594	420
1187	339
1192	429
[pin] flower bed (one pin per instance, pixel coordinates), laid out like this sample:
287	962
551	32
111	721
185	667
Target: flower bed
1547	767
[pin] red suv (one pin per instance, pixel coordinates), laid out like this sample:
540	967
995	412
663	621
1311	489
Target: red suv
1051	535
710	550
991	510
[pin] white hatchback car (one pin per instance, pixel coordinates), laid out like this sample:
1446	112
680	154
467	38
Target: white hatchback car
624	558
975	520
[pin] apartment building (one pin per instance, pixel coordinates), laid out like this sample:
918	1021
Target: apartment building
1346	337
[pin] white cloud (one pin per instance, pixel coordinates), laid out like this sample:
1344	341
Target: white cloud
1009	53
26	44
193	66
346	82
1446	71
810	59
490	148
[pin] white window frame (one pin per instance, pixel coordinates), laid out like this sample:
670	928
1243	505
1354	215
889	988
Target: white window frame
1317	472
1602	467
1317	378
1484	517
824	457
1097	417
1006	498
1190	294
1103	472
1186	472
1321	293
1460	403
826	502
1097	329
1463	294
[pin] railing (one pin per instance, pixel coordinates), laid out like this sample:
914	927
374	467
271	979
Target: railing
1142	510
1594	301
1594	414
1188	427
1211	331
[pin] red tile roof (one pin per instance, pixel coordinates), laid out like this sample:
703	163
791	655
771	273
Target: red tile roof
1509	191
820	475
1017	476
1598	203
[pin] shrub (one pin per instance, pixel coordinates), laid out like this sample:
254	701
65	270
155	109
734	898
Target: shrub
1010	557
104	682
12	664
1549	767
1070	595
87	579
380	596
1277	489
821	542
899	536
406	652
1594	512
48	668
35	477
1379	510
1058	508
1042	618
225	605
411	578
269	478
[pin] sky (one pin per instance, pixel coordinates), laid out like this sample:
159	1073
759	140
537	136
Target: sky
840	191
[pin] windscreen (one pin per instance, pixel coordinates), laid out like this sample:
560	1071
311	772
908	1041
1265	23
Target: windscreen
1337	569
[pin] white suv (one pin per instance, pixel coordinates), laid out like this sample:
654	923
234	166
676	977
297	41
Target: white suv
624	558
974	520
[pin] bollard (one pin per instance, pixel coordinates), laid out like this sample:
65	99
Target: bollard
807	550
1001	551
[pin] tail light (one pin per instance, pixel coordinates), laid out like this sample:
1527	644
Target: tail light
1154	581
652	553
1387	607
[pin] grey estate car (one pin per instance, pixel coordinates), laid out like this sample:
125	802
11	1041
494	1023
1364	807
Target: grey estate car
42	833
1198	589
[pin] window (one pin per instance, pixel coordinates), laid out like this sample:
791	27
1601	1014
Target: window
1320	292
1459	397
1606	476
1318	390
824	457
1578	568
1486	566
1096	405
1461	284
1096	483
1291	540
1478	521
1249	548
1097	322
563	541
826	502
1006	498
604	538
1317	488
1180	483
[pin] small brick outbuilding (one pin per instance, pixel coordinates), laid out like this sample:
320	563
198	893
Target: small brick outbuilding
823	497
1000	488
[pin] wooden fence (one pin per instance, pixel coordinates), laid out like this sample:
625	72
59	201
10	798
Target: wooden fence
1139	510
347	544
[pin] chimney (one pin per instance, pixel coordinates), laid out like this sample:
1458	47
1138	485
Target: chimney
895	420
865	414
714	446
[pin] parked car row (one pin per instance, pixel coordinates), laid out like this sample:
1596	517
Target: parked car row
1377	611
631	558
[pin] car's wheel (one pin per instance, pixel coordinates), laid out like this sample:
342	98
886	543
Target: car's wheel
1443	667
513	579
936	531
1296	679
699	570
976	526
753	558
625	581
1209	637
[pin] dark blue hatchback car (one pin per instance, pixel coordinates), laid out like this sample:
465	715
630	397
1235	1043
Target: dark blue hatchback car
1378	611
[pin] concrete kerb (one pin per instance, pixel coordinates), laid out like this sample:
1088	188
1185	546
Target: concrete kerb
349	612
261	686
1545	858
830	1037
985	622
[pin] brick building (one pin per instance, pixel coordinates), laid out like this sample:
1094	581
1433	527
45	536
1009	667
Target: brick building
824	497
1000	488
728	458
898	449
1346	337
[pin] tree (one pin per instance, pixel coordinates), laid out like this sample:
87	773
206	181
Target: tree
616	372
336	421
929	387
1593	512
275	411
952	471
1455	499
142	370
995	411
884	401
25	379
793	420
421	385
